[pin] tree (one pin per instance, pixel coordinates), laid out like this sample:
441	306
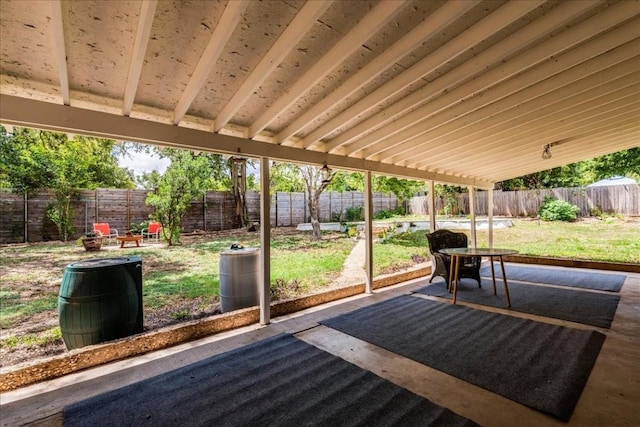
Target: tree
315	182
32	159
625	163
187	177
403	189
285	177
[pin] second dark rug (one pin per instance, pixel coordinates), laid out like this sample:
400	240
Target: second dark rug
571	277
540	365
279	381
589	308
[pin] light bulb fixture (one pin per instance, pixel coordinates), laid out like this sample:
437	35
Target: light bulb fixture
546	149
326	173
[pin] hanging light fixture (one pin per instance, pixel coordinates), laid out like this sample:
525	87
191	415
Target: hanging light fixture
326	173
546	149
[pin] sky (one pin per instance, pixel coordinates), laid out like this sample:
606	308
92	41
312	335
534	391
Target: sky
143	162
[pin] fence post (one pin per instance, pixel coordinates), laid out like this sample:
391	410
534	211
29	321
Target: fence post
290	210
128	208
26	217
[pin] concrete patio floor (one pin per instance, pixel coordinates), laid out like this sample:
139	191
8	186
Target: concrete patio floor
610	397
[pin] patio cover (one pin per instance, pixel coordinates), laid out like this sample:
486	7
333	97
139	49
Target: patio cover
463	92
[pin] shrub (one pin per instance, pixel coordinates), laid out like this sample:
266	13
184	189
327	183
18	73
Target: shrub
553	209
384	214
137	228
354	213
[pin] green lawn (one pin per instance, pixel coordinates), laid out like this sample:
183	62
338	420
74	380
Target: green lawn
182	283
607	239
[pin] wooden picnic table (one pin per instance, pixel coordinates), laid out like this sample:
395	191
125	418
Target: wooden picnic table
124	239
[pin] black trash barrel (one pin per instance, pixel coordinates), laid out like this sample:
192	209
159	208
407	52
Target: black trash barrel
239	278
100	300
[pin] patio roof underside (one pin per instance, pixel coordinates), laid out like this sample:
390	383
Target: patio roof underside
462	92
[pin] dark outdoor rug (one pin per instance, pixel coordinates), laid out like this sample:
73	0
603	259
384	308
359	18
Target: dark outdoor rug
280	381
559	276
589	308
540	365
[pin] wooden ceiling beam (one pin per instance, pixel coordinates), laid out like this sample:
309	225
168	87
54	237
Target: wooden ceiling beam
288	40
60	52
578	79
500	78
547	110
487	59
363	31
143	33
531	142
596	146
529	151
218	40
25	112
430	27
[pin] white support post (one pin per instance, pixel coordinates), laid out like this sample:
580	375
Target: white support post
432	206
265	243
472	214
368	228
490	216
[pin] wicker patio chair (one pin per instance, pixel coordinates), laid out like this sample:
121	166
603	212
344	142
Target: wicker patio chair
440	263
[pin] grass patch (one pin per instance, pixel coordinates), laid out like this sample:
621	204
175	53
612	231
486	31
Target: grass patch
15	309
311	267
400	251
42	339
613	241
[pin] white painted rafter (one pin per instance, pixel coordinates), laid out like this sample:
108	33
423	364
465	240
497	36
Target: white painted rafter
527	151
565	123
143	32
60	51
578	97
446	53
363	31
458	118
290	37
221	35
595	144
436	22
485	60
531	59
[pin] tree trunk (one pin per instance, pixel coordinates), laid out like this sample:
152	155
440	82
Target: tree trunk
315	187
314	208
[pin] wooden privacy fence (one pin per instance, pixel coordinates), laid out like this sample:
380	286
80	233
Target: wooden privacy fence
291	209
616	199
24	219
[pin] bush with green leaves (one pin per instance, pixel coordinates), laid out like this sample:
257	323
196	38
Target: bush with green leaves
354	213
553	209
386	214
137	228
